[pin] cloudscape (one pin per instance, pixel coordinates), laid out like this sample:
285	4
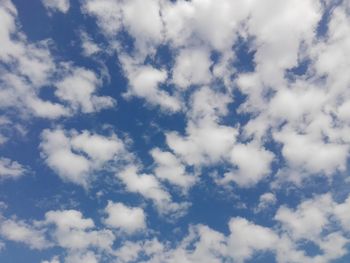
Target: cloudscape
174	131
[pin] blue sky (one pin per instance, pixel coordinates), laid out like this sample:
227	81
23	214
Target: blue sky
174	131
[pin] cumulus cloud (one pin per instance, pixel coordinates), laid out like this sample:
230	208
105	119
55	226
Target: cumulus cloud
10	169
124	218
144	82
247	238
192	68
19	231
310	221
253	163
265	201
253	91
169	168
149	187
74	232
73	155
78	88
53	260
57	5
27	68
203	144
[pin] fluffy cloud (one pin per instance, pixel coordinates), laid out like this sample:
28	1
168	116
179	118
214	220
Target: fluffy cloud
67	229
19	231
128	219
10	169
204	143
74	232
192	68
247	86
266	200
144	82
149	187
28	68
75	155
78	89
57	5
247	238
311	221
253	163
169	168
53	260
88	257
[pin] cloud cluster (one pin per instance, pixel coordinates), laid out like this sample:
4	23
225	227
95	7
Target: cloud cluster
75	155
28	69
313	220
256	92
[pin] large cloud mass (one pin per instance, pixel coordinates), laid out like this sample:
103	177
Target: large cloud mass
175	131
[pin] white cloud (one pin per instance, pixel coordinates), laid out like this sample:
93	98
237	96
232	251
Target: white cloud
144	184
205	143
311	221
144	82
57	5
10	169
208	105
29	67
265	201
253	163
305	152
89	47
246	238
74	232
147	28
79	257
128	219
150	188
169	168
342	212
55	259
203	22
107	13
66	229
19	231
308	220
99	148
192	68
75	155
128	252
78	88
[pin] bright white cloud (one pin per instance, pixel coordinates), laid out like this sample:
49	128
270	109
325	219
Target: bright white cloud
145	81
107	13
192	68
246	238
73	155
78	88
30	67
124	218
57	5
149	187
74	232
169	168
253	163
19	231
204	143
300	122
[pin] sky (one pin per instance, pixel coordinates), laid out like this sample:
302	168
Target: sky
161	131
